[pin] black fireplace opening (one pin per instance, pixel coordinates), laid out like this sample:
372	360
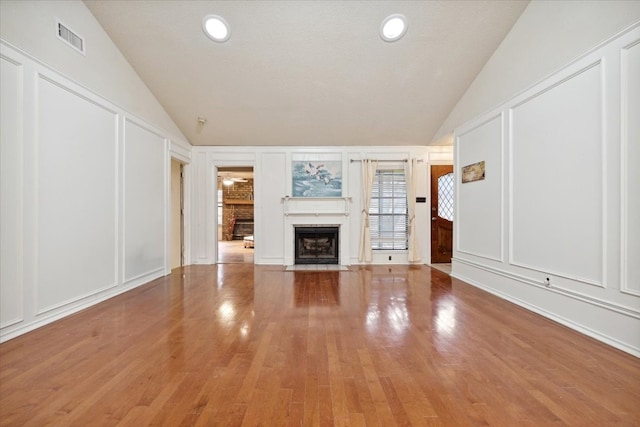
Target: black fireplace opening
242	228
316	245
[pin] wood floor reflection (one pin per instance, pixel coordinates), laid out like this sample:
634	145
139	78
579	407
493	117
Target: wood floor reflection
238	344
234	252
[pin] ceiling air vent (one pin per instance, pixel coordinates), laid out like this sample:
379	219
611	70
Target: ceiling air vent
70	38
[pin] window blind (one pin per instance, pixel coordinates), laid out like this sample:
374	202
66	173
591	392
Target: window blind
388	214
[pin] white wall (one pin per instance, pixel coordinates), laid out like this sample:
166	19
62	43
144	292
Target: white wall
145	202
75	195
30	25
84	182
11	196
561	196
548	35
272	181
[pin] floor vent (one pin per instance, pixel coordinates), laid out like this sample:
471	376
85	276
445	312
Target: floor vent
70	38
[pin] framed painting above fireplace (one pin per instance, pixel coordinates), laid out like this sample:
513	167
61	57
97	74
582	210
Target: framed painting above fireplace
316	178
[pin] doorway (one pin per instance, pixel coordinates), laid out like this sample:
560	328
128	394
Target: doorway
176	256
235	229
442	185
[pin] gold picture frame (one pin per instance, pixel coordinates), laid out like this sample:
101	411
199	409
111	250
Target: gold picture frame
473	172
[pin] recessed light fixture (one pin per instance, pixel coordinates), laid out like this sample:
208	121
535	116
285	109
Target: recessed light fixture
216	28
393	27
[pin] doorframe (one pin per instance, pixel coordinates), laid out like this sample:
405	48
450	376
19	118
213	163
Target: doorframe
175	153
436	163
216	165
181	217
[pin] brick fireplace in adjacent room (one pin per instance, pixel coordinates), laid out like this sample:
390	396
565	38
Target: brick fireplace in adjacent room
237	210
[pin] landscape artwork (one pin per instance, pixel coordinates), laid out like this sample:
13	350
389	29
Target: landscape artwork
473	172
317	178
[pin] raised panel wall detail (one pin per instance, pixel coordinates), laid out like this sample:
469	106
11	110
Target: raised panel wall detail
272	246
76	196
200	235
571	193
11	145
631	171
144	207
556	179
62	195
479	203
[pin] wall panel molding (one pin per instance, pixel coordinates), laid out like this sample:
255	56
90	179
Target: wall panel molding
480	201
630	176
572	196
180	151
268	206
201	211
627	310
145	276
554	200
620	320
73	301
68	162
75	195
11	189
144	200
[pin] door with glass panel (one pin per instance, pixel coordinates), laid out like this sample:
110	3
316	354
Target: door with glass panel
441	213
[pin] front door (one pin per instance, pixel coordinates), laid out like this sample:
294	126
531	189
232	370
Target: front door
441	213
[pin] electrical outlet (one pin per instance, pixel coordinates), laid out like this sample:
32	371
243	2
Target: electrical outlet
547	281
389	257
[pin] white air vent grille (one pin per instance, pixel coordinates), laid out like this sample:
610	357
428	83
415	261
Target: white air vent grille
71	38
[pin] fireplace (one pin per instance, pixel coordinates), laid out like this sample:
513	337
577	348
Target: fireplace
316	244
242	228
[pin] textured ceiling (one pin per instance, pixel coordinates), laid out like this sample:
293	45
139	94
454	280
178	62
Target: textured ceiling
307	72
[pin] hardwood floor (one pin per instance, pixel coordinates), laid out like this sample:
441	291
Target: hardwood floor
234	252
238	344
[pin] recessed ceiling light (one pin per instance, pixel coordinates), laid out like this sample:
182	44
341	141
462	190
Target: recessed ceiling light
393	27
216	28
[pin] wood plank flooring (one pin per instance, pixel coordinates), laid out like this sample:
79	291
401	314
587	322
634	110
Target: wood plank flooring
234	252
245	345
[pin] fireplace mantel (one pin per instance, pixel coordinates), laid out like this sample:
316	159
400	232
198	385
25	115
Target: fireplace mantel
316	211
316	206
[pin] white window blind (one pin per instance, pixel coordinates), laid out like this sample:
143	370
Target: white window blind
388	211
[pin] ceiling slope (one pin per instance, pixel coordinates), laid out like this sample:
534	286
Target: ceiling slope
307	73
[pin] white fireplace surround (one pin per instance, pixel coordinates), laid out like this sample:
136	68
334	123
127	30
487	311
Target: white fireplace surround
316	211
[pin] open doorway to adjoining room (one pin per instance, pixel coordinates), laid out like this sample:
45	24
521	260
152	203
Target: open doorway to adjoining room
176	251
235	215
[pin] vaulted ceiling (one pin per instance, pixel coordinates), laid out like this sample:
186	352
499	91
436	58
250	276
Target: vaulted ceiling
307	72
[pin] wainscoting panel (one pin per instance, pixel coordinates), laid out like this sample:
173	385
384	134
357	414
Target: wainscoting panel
269	208
11	210
571	195
144	201
76	195
630	230
199	230
556	178
479	204
71	216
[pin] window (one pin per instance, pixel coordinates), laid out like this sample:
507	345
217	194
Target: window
445	196
388	215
